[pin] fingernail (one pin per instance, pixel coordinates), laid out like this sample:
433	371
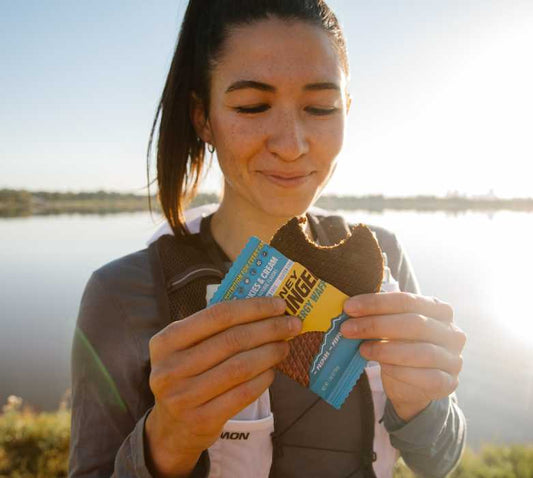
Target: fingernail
365	349
352	306
295	325
279	304
348	328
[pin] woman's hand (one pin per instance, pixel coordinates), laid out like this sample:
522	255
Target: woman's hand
205	369
418	346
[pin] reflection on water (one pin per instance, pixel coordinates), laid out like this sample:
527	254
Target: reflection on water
479	263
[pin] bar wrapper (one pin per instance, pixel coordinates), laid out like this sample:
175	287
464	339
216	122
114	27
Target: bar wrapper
262	271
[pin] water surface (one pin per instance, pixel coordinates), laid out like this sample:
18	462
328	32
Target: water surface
479	263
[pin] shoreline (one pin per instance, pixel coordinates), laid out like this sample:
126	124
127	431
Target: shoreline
22	203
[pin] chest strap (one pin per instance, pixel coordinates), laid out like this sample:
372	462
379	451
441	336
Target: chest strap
311	438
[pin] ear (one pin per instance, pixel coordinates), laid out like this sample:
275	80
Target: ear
198	119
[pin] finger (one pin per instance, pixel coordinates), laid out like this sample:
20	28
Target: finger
220	409
216	349
216	318
412	354
231	373
405	327
398	302
433	383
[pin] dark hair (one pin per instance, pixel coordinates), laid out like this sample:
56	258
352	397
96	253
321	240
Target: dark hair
205	26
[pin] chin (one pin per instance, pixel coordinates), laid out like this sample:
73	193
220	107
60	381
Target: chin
287	209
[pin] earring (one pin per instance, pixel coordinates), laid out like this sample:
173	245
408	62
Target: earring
211	148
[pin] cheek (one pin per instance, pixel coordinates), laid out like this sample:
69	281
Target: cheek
328	142
238	137
237	142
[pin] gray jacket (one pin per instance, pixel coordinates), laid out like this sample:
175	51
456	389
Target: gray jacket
110	369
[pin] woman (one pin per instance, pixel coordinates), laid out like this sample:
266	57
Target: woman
265	83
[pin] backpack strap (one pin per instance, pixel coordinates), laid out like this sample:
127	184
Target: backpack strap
311	436
307	429
182	270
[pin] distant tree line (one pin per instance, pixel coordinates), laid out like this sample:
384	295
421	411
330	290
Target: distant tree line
424	203
15	202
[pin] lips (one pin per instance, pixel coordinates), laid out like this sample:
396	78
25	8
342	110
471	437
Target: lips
285	174
286	179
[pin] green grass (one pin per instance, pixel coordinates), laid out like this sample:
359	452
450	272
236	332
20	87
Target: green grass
36	445
33	444
492	461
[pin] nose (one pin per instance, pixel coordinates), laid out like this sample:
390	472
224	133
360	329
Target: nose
288	139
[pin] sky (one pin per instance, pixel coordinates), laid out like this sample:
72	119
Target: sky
442	97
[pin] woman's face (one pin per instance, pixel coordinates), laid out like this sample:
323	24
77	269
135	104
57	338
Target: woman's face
277	114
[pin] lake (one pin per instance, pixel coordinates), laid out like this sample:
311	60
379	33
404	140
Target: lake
478	262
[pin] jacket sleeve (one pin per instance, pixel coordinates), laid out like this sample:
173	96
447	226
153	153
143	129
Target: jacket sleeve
108	414
432	442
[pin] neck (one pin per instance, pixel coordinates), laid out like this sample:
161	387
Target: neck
233	224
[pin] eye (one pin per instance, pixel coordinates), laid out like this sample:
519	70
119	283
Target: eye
252	109
265	107
321	111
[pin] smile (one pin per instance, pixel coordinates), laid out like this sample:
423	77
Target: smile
284	180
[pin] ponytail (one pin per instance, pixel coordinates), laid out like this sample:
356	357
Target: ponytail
180	153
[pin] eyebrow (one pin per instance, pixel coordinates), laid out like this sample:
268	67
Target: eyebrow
258	85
